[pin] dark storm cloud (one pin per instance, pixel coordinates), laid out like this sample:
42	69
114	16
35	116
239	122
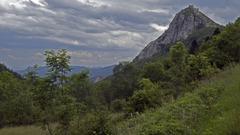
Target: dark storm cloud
96	32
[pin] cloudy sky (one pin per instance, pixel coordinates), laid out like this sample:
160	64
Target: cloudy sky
95	32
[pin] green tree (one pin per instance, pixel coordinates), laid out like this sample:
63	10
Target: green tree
104	92
224	48
53	96
149	96
95	123
126	81
178	67
16	104
32	76
58	66
80	86
154	71
199	67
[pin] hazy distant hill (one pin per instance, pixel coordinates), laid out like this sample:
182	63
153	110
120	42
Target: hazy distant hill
3	68
96	73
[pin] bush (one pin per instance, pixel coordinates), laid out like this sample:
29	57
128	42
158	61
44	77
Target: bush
118	105
92	124
154	71
224	48
16	104
184	116
199	67
150	96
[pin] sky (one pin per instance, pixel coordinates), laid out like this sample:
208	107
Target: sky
95	32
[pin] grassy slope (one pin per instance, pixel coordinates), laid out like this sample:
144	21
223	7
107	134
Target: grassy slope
227	122
27	130
223	117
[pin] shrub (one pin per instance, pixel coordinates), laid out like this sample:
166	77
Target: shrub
184	116
92	124
150	96
118	105
199	67
154	71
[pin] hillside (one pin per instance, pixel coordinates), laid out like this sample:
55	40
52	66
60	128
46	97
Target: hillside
212	109
3	68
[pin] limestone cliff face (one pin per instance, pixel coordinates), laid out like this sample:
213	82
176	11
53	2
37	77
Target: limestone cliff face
183	25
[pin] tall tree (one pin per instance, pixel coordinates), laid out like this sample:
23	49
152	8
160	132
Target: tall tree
178	68
53	97
58	65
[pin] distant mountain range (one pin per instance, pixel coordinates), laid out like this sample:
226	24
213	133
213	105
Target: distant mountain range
96	73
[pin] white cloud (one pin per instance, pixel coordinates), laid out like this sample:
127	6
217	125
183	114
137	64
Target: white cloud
4	50
92	58
160	11
125	33
21	4
13	4
159	27
82	54
125	39
39	55
41	3
13	57
63	40
94	3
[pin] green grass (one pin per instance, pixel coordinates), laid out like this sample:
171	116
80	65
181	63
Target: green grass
222	117
24	130
227	119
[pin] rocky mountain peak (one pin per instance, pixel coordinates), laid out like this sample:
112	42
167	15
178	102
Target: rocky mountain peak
185	22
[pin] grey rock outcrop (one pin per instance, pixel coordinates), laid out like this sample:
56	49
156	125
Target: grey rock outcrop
182	26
